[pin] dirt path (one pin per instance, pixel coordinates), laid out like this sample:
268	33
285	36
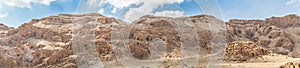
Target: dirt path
276	62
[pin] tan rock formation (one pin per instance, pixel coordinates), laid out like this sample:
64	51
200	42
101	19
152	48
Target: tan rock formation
243	50
4	30
48	42
294	53
279	34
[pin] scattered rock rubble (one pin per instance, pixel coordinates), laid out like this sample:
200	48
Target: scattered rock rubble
243	50
294	64
278	34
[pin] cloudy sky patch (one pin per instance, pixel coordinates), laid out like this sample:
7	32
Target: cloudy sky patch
129	10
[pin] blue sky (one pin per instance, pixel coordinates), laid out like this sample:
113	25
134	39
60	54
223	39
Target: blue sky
16	12
257	9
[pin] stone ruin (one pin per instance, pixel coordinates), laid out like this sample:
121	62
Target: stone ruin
243	50
295	64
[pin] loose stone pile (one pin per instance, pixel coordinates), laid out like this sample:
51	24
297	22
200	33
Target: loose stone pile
295	64
243	50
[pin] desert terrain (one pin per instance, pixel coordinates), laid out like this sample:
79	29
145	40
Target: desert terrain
203	41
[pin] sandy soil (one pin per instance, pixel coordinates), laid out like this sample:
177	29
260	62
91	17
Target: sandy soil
266	61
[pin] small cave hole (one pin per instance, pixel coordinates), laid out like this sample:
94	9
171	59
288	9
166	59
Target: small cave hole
31	47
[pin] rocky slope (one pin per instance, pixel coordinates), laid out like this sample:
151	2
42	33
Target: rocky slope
47	42
243	50
66	40
279	34
4	30
294	64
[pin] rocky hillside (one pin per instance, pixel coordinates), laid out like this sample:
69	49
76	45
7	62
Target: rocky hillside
4	30
243	50
63	40
279	34
293	64
47	42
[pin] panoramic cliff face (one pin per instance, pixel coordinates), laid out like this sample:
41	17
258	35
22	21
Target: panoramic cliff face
61	41
50	41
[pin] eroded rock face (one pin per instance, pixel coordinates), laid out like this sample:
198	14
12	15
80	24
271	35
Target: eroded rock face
167	36
4	30
49	42
294	53
243	50
150	29
278	34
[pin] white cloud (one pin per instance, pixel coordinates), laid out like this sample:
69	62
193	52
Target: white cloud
110	16
173	14
101	11
18	3
96	2
25	3
120	4
3	15
295	3
91	1
146	9
114	10
45	2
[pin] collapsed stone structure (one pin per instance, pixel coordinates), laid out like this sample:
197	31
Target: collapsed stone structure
293	64
243	50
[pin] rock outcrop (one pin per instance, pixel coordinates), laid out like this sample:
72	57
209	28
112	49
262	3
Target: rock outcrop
47	42
278	34
294	64
295	53
4	30
243	50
